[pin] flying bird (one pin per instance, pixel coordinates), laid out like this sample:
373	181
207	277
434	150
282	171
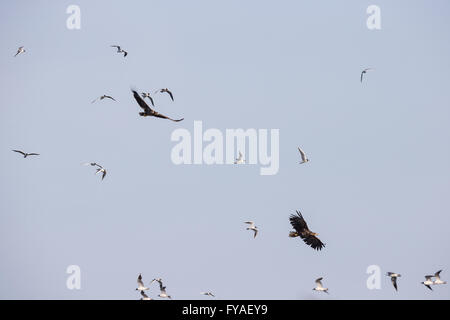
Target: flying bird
140	283
19	51
207	294
394	277
240	160
120	50
302	155
365	71
302	231
252	227
26	154
147	95
166	91
319	286
100	169
428	282
438	279
103	97
148	112
163	293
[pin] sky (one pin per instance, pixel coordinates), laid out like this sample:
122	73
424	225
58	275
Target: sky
376	187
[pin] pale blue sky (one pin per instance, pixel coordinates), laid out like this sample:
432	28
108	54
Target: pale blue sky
376	189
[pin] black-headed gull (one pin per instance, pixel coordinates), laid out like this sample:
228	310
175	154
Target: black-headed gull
319	286
252	227
26	154
394	277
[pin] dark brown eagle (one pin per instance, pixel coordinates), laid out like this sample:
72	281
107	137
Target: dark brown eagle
149	112
302	231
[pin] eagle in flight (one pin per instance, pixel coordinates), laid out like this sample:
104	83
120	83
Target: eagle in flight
302	231
149	112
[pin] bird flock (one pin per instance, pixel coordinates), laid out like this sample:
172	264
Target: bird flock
297	221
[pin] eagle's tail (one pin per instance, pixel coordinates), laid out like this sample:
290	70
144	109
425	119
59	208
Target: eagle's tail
293	234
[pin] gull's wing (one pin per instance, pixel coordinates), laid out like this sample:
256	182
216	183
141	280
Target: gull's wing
251	223
428	286
394	282
302	154
139	281
362	74
255	232
33	154
141	102
95	100
151	100
143	294
18	151
319	282
428	277
125	53
436	275
109	97
170	94
104	174
93	164
118	47
162	288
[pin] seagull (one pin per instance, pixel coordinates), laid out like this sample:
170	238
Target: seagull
207	294
140	283
120	50
26	154
365	71
100	169
319	286
148	112
163	293
144	296
303	155
394	277
19	51
147	95
252	227
428	282
103	97
302	231
239	160
438	279
166	91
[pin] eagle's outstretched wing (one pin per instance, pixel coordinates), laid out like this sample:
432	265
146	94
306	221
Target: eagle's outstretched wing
298	223
141	102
